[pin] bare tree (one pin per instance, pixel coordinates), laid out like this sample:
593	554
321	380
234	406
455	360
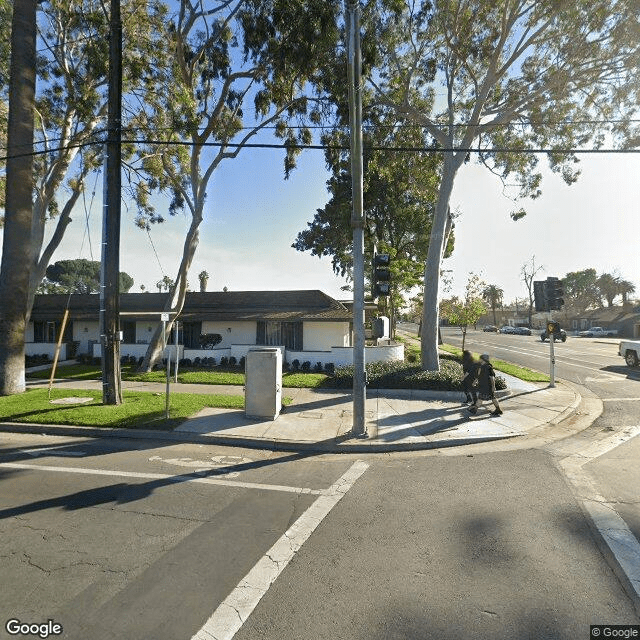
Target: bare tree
528	273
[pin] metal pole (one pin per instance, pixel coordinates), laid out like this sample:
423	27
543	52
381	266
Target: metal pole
176	333
110	263
166	351
357	218
552	358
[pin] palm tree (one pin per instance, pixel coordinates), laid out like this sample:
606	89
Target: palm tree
625	288
492	294
609	287
203	276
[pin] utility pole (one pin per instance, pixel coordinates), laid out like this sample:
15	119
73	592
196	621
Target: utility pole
357	216
110	264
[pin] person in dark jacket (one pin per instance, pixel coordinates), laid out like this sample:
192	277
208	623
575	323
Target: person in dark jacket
470	367
487	386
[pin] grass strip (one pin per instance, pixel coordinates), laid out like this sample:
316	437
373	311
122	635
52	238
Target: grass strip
524	373
139	410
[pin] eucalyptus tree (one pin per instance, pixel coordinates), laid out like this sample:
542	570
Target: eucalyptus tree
399	199
69	109
498	78
19	185
238	68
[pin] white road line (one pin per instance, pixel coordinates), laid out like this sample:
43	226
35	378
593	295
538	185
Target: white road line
619	399
614	532
240	603
161	476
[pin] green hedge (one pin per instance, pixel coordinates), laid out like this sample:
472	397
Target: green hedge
403	375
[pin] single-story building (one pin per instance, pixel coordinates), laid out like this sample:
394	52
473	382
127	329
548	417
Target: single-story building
308	325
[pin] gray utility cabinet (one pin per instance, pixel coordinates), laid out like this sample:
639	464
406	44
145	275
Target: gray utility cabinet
263	383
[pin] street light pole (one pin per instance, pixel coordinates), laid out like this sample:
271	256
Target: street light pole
357	217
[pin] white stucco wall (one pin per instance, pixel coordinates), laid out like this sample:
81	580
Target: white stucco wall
341	356
320	336
40	348
241	332
84	332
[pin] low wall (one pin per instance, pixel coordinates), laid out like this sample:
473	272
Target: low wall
41	348
338	356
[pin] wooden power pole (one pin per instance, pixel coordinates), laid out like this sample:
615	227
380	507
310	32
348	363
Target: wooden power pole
110	264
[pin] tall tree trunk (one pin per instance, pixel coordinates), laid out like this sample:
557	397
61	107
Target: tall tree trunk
441	221
17	251
177	292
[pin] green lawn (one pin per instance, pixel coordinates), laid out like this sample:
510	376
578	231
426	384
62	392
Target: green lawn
523	373
139	410
188	376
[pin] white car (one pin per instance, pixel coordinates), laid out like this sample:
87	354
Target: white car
508	329
598	332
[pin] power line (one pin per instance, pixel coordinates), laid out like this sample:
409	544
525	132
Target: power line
323	147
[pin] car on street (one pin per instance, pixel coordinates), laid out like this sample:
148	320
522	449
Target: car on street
562	335
523	331
598	332
507	329
490	327
630	351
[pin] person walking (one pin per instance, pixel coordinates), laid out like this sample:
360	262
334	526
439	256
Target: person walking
470	367
487	386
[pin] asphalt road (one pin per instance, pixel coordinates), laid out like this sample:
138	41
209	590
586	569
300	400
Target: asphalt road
591	362
138	540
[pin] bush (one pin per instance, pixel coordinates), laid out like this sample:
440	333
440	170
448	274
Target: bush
209	340
401	375
330	368
197	362
318	367
285	366
296	365
242	361
232	361
306	366
224	361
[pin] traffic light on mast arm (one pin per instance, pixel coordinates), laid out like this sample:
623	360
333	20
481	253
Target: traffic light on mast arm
555	291
381	280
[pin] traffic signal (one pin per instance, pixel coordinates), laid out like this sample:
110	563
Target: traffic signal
381	280
540	295
555	291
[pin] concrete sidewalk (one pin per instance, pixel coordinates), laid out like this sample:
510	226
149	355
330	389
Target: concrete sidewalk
322	420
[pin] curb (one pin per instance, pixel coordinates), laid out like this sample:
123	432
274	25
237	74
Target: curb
337	446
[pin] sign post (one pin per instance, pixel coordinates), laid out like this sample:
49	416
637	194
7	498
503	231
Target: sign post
165	318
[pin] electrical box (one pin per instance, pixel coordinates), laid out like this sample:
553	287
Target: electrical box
263	383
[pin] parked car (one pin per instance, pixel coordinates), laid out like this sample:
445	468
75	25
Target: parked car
507	329
630	351
558	336
598	332
523	331
490	327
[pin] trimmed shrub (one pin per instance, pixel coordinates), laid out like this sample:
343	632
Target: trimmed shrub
232	361
330	368
296	365
306	366
318	367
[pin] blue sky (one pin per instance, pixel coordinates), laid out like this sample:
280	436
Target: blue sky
253	215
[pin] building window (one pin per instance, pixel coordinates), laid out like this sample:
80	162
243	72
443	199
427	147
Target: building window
190	333
280	334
